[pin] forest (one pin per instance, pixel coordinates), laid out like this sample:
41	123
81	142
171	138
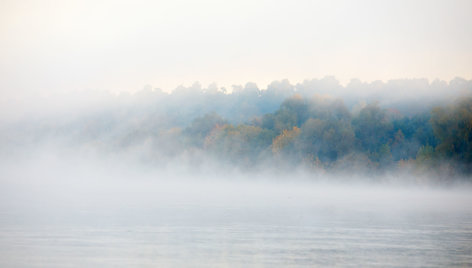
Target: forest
318	125
324	134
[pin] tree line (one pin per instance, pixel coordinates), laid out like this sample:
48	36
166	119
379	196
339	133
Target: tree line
360	127
324	133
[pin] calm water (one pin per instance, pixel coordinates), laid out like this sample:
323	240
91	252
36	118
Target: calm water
149	224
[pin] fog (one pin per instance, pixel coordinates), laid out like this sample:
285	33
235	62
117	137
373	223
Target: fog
305	174
191	126
55	191
59	209
235	133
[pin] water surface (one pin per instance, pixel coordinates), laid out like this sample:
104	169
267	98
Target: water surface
241	224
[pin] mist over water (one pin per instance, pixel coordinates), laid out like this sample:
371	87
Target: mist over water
359	155
284	176
60	210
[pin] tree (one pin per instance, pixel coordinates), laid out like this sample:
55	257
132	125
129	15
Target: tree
284	143
453	128
326	140
242	144
202	126
372	128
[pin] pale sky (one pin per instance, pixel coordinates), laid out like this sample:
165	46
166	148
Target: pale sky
61	46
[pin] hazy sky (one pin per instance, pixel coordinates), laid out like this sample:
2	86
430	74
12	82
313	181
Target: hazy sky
49	46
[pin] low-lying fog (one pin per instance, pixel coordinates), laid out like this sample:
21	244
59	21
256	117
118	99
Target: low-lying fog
284	176
59	210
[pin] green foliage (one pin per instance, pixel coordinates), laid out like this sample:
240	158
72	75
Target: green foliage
293	112
202	126
425	154
242	143
285	142
385	158
453	128
321	132
326	140
372	129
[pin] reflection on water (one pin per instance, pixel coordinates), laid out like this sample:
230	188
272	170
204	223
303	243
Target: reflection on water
245	224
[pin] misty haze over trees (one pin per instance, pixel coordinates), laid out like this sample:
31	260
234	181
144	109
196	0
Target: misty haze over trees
319	125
